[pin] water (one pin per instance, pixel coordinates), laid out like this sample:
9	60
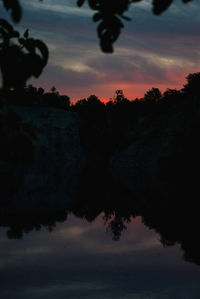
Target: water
80	259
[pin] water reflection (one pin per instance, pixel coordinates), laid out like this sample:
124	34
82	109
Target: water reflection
176	221
79	258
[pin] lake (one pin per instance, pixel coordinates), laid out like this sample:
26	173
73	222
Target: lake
80	259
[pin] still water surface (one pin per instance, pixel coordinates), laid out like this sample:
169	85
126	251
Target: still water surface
79	259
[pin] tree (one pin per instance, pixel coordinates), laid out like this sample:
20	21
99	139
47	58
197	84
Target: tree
40	91
119	96
93	100
152	96
53	89
193	84
64	102
171	96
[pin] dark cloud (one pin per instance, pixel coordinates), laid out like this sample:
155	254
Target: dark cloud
132	68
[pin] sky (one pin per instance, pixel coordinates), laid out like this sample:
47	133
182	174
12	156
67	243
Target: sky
152	51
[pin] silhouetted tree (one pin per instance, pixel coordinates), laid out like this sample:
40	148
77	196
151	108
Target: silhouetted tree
192	86
109	105
119	96
55	100
171	96
53	89
152	96
40	91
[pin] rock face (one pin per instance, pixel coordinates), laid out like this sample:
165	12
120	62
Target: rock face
132	166
49	183
162	160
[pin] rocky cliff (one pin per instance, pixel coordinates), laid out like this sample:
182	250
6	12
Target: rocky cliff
48	183
162	160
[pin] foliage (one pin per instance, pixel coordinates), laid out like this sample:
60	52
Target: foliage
193	84
113	126
172	95
20	57
93	125
110	14
54	99
15	9
32	96
152	96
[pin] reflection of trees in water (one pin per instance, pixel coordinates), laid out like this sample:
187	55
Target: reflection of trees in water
24	223
175	219
99	193
116	223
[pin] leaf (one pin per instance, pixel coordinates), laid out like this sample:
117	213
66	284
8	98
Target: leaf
6	25
117	23
43	50
37	66
126	18
160	6
3	35
15	8
21	41
14	34
16	12
106	46
7	4
80	3
97	17
94	4
29	44
26	33
101	29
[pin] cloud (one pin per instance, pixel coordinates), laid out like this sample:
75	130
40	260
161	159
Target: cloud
152	50
58	7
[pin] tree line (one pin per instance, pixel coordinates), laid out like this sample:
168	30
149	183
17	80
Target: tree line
105	128
111	126
33	96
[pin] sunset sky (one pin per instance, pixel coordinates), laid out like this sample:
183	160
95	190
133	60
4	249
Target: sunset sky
152	51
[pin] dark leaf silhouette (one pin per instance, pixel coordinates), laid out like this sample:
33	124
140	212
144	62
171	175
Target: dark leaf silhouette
15	8
97	17
20	59
26	33
161	5
108	11
80	2
35	53
6	25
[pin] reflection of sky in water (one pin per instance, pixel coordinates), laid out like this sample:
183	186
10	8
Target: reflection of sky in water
80	260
